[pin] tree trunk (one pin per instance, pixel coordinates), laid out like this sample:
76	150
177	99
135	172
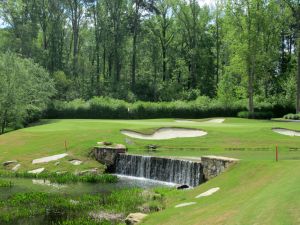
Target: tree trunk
133	65
298	77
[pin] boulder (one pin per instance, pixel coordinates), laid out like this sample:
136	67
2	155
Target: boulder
16	167
134	218
9	162
183	186
106	216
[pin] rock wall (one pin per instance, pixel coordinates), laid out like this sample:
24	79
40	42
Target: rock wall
214	165
107	155
180	171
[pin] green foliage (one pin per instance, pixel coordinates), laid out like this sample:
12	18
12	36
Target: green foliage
108	108
6	183
255	115
25	91
292	116
64	177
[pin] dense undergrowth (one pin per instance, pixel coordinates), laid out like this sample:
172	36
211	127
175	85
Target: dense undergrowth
202	107
61	209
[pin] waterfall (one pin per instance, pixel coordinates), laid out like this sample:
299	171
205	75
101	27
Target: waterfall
162	169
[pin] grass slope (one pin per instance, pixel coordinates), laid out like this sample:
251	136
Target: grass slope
255	191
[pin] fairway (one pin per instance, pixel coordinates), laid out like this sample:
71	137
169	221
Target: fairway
256	189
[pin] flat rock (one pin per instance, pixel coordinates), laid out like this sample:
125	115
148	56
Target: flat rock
185	204
75	162
37	171
49	158
16	167
106	216
9	162
91	171
208	193
134	218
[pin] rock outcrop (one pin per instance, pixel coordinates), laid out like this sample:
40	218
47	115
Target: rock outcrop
134	218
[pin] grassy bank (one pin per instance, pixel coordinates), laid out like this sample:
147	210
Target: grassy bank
256	191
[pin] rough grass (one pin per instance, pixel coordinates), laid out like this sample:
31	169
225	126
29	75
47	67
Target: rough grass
256	191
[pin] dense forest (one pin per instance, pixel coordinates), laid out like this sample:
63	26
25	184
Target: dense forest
231	51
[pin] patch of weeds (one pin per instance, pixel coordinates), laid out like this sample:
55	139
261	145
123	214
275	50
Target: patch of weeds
6	184
65	177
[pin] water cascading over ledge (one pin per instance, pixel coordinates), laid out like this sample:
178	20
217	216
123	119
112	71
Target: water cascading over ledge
179	171
162	169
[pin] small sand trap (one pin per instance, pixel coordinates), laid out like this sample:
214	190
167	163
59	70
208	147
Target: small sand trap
37	171
208	193
206	121
216	121
166	133
286	132
75	162
16	167
49	158
185	204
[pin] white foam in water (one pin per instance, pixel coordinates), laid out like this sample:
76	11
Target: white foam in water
146	180
49	158
209	192
166	133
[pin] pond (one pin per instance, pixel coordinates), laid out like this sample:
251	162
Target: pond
66	191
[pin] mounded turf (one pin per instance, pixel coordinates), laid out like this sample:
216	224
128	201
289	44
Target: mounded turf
257	190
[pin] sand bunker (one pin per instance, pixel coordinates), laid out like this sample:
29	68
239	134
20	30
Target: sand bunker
209	192
207	121
49	158
286	132
185	204
166	133
37	171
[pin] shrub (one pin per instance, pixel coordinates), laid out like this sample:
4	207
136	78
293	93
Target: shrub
202	107
255	115
291	116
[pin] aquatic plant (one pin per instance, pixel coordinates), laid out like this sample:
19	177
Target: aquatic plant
6	184
65	177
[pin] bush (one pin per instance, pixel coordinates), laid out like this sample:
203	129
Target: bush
255	115
202	107
291	116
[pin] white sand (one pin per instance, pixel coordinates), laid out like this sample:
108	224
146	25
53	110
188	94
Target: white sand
216	121
75	162
286	132
209	192
207	121
16	167
49	158
185	204
37	171
166	133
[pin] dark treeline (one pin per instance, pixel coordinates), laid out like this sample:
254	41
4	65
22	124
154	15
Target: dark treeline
161	50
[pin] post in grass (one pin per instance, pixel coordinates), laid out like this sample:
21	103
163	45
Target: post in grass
276	153
66	147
